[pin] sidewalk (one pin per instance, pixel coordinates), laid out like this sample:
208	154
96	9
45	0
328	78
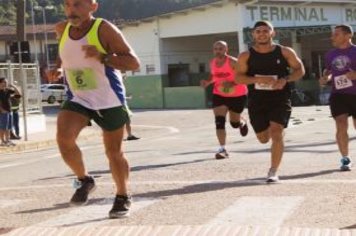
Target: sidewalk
46	139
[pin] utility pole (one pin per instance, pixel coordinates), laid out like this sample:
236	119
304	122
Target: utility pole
20	20
21	36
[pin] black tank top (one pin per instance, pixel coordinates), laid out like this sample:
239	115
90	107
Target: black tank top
271	63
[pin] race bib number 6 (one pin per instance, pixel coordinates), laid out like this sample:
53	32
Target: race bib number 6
342	82
82	79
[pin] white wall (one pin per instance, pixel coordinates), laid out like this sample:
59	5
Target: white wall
144	39
212	20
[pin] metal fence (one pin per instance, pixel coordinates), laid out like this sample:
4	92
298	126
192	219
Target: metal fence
28	81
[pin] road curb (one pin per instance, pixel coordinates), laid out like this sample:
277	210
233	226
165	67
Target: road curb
37	145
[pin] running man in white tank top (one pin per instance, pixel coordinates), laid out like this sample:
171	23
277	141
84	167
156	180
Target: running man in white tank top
92	53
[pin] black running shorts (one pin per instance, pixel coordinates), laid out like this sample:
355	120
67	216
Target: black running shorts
262	112
235	104
341	104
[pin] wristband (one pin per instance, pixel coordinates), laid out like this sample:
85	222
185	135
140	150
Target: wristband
105	58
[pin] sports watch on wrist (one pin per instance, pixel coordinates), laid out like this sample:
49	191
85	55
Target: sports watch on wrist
105	58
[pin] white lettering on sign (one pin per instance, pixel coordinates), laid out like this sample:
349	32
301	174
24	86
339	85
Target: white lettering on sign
274	13
350	15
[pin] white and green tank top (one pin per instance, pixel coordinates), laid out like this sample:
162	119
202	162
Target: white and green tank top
90	83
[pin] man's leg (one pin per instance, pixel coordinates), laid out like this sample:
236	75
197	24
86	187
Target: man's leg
128	128
130	136
118	163
264	136
235	117
69	125
342	136
220	119
16	123
120	172
2	136
236	106
277	148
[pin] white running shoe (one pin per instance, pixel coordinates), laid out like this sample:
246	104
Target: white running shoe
272	177
221	154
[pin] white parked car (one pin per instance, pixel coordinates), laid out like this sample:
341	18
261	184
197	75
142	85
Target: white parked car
53	92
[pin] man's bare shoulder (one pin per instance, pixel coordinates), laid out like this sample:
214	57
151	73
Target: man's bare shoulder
60	27
287	51
244	55
108	27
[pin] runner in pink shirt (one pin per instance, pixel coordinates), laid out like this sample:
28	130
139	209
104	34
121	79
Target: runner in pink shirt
228	96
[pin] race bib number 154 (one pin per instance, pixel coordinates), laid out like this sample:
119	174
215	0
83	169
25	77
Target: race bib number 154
342	82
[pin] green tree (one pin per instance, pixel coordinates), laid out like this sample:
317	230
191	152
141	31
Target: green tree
109	9
7	12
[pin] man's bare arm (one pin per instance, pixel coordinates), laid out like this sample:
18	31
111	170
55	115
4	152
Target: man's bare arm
294	63
120	55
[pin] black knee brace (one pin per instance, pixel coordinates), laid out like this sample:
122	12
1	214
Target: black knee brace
235	125
220	122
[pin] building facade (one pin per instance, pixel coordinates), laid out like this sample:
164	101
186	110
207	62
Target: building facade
175	48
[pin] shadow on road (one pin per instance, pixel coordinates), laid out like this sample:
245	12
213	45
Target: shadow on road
349	227
98	173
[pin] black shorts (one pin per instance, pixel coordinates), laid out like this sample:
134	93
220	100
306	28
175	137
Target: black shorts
341	104
262	112
235	104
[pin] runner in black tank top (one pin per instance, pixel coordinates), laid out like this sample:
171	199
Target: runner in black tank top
266	69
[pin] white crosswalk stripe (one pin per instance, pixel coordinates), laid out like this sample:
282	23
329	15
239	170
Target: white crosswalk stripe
266	211
95	214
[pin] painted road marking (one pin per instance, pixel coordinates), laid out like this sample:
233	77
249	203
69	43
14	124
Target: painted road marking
57	155
179	230
29	161
264	211
256	182
171	129
92	215
7	203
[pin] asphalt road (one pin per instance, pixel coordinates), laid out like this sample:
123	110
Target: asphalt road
175	179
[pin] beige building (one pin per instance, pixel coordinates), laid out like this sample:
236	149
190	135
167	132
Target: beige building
175	48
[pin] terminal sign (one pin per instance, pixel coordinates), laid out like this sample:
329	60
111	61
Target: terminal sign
350	15
299	14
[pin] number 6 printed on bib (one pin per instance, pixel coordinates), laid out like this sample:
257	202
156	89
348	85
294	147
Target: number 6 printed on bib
82	79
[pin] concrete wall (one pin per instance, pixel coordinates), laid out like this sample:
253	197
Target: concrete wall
150	92
146	92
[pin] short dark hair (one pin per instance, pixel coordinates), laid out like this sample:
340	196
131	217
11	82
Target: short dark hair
345	28
263	23
2	79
